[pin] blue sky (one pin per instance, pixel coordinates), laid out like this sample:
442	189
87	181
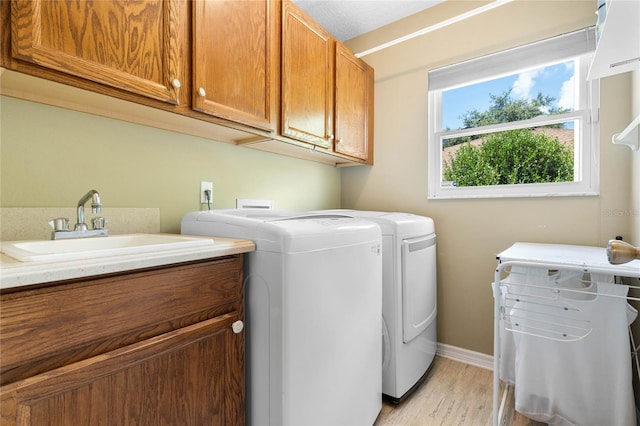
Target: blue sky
553	80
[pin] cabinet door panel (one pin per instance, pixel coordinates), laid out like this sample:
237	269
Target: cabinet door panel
191	376
124	44
234	60
354	104
307	79
32	321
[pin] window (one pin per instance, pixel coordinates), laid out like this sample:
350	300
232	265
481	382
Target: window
518	123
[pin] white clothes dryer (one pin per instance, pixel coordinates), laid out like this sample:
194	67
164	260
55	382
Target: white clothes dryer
409	304
313	295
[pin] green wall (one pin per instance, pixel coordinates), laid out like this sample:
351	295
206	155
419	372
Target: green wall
51	156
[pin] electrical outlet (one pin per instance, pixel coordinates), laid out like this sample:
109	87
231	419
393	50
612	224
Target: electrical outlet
206	186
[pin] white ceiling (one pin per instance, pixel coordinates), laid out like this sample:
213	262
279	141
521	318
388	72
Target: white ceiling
346	19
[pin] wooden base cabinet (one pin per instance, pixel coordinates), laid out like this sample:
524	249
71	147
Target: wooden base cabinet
185	365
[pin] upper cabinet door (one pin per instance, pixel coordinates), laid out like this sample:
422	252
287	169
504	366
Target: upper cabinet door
120	43
307	78
235	60
354	105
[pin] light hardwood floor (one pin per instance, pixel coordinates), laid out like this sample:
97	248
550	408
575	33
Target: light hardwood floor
453	393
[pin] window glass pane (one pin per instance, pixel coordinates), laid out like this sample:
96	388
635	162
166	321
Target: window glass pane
515	123
542	154
546	90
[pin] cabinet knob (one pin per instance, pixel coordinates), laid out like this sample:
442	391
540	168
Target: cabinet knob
339	141
176	83
202	92
237	326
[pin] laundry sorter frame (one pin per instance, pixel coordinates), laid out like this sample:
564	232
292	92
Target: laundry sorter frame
572	258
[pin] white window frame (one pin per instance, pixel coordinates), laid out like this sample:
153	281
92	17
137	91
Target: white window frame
579	44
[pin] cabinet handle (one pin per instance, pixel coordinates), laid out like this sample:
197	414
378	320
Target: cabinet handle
339	141
237	326
176	83
202	92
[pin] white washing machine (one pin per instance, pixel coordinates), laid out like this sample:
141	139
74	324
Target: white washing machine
313	295
409	304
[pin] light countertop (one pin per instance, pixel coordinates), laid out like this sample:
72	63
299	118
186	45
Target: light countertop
14	273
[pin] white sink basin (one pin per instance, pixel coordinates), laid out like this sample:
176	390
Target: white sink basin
85	248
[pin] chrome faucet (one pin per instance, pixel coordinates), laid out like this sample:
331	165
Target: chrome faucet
80	230
96	207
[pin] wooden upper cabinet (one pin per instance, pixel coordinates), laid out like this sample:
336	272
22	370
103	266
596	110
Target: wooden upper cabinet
308	53
262	67
353	105
120	43
235	60
327	93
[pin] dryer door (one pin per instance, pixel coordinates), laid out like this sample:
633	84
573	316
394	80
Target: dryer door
418	285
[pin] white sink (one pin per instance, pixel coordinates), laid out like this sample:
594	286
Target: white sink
85	248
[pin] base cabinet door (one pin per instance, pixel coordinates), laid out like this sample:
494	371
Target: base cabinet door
189	376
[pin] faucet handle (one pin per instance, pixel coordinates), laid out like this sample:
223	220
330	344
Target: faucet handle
99	222
59	224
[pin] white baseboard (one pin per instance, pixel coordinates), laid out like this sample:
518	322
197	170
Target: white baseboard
466	356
